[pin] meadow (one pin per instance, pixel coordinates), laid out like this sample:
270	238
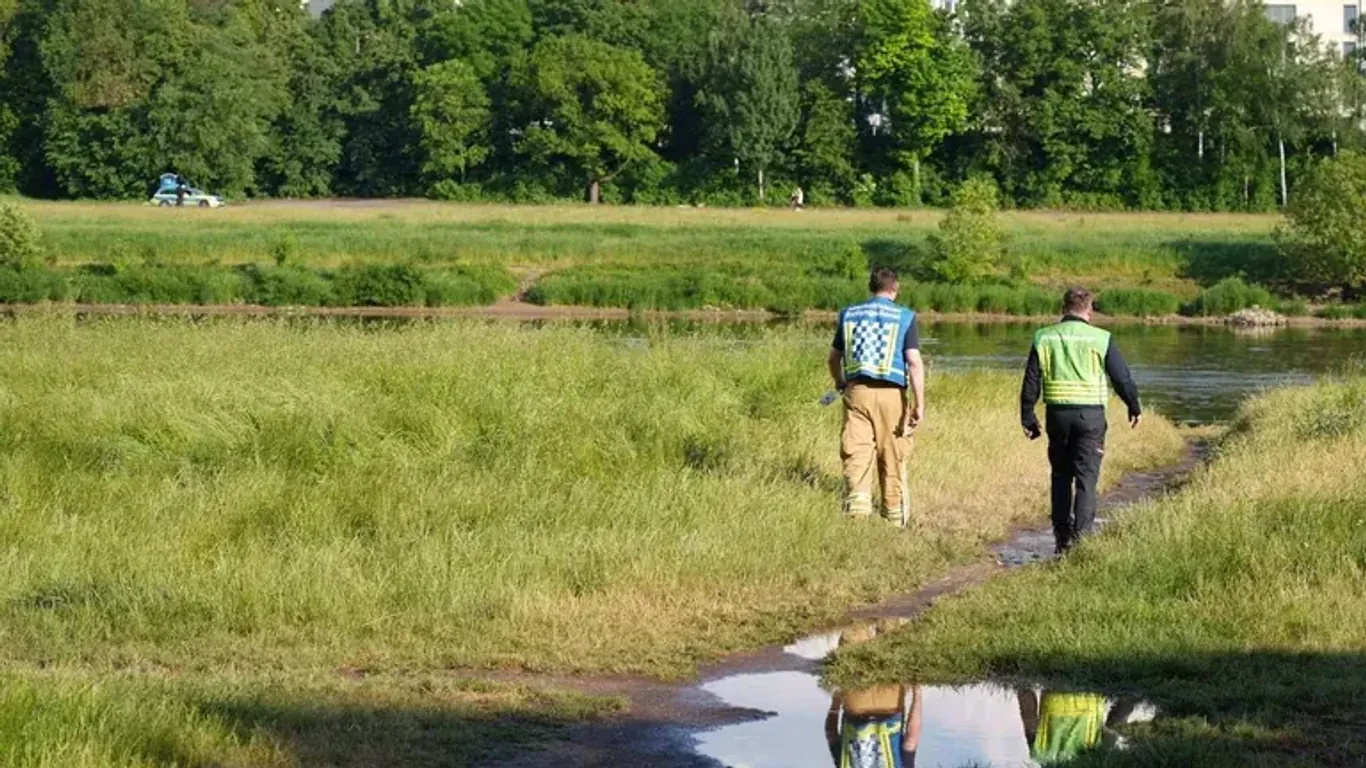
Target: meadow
231	539
640	257
1237	606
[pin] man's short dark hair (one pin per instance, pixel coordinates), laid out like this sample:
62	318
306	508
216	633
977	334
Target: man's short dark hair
882	279
1077	300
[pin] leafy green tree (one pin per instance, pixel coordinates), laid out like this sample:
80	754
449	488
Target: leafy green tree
1323	243
377	44
911	61
486	34
452	112
142	86
751	96
828	139
969	246
592	106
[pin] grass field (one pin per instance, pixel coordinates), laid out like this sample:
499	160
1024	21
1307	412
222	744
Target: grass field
189	504
1238	607
657	257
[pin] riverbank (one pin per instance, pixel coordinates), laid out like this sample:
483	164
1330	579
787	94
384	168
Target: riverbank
264	501
522	311
415	254
1235	607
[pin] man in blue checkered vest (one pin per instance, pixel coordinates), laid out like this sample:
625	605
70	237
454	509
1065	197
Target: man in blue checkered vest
874	359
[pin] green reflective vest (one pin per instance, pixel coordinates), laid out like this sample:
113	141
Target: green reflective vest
1072	360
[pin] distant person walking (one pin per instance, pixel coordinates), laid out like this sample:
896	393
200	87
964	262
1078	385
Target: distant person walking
1069	365
797	200
874	358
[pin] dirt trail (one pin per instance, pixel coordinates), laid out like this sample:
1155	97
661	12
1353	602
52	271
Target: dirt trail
656	728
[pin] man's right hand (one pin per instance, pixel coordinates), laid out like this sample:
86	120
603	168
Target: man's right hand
1134	418
1033	431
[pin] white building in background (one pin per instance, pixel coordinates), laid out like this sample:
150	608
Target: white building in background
1334	22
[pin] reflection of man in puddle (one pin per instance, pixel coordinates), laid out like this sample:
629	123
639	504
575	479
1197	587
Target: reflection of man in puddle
876	727
1059	726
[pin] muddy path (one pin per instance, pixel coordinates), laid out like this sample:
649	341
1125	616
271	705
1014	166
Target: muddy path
659	726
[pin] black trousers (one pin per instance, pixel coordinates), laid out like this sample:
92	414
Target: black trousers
1076	445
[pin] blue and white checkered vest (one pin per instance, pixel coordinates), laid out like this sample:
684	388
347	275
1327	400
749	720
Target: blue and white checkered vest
874	334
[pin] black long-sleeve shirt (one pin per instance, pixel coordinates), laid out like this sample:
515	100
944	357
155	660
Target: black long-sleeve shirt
1115	368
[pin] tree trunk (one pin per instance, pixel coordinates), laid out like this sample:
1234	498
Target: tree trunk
594	192
1245	191
1200	151
761	185
915	179
1285	192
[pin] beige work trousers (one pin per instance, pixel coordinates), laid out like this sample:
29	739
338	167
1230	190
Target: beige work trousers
872	416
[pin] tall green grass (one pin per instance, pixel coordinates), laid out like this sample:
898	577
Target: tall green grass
362	285
1240	601
459	494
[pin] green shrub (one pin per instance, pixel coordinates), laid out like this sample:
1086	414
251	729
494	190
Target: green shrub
849	264
1296	307
20	241
1334	312
380	285
1324	240
969	246
468	286
287	286
32	285
1137	302
1228	296
286	250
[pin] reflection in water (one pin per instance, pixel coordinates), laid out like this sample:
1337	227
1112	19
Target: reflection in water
938	726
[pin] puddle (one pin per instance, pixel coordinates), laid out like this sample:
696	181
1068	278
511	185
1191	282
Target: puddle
980	725
977	725
986	725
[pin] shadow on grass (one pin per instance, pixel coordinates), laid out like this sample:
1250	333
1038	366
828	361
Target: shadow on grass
423	726
1209	261
908	258
1223	709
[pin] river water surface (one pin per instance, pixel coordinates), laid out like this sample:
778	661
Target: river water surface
1193	374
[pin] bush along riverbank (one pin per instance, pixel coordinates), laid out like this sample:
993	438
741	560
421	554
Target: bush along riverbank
368	285
1236	606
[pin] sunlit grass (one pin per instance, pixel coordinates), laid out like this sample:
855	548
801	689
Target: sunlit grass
1241	600
452	495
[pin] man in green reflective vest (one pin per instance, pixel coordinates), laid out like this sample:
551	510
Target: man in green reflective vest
1069	366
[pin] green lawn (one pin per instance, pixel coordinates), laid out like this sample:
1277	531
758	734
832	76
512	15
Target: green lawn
1237	606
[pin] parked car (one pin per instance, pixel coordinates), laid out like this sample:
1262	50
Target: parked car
192	197
172	189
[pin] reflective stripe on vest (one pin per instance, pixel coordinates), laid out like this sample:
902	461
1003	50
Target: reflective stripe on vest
1072	361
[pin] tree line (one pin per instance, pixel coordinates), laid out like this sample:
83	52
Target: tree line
1097	104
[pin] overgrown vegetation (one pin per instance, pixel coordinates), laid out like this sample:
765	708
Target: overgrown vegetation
363	285
278	496
1252	573
437	255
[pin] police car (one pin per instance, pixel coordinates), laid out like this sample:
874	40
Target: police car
167	194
